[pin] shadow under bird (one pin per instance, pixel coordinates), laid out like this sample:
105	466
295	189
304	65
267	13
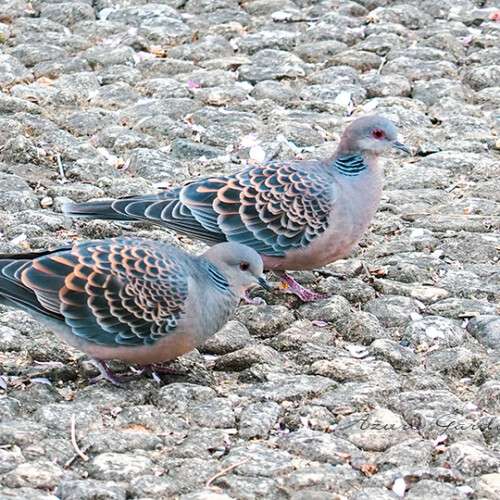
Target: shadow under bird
139	301
298	214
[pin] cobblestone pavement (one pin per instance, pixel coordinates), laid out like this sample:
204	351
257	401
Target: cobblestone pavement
389	388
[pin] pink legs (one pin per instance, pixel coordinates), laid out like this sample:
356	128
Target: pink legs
289	285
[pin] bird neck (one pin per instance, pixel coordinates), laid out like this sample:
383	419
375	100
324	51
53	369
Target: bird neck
217	279
350	164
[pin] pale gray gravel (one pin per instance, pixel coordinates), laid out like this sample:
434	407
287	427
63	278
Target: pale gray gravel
390	387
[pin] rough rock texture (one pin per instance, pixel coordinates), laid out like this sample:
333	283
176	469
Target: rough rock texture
390	387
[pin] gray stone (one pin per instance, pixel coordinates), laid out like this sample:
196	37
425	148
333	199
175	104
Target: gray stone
431	92
386	85
483	77
423	489
16	194
10	459
12	71
420	70
178	397
217	413
119	466
276	91
396	354
246	357
34	53
488	396
258	419
188	150
259	460
155	165
253	42
320	447
486	329
471	458
265	321
393	311
435	331
345	369
363	327
231	337
335	309
376	431
107	56
459	362
288	388
407	453
271	64
462	308
90	489
42	474
67	13
360	60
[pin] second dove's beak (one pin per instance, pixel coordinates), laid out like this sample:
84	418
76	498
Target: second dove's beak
401	146
264	284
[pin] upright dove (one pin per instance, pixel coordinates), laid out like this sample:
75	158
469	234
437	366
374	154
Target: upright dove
298	215
134	300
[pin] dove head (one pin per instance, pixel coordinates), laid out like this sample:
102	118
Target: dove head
370	135
241	265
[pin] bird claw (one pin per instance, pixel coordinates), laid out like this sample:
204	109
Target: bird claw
289	285
105	373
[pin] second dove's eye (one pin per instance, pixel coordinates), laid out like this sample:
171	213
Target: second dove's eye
244	266
378	134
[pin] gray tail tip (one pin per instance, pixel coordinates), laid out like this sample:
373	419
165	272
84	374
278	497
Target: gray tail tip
72	209
68	207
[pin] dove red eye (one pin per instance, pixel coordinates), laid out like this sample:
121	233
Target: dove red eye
244	266
378	134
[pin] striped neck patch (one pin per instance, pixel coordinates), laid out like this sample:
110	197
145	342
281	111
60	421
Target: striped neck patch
217	278
350	165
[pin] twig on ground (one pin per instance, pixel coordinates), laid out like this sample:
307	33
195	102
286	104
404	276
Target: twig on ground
69	463
224	472
61	169
77	449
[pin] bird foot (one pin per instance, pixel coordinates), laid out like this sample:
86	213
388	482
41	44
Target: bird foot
105	373
155	370
289	285
256	301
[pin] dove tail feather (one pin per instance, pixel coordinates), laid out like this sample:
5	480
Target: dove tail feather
94	210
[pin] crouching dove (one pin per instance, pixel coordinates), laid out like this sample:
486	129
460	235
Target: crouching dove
134	300
300	214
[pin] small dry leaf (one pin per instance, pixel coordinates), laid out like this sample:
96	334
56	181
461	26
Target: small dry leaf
247	141
378	271
399	487
40	380
368	469
19	239
192	84
136	428
442	438
495	16
319	322
257	154
157	51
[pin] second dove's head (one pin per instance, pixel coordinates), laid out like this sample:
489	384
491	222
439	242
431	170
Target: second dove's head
371	135
242	266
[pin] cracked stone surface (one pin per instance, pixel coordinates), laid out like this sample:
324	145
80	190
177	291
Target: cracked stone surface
388	388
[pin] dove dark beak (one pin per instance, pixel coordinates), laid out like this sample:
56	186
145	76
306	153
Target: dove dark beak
264	284
401	146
